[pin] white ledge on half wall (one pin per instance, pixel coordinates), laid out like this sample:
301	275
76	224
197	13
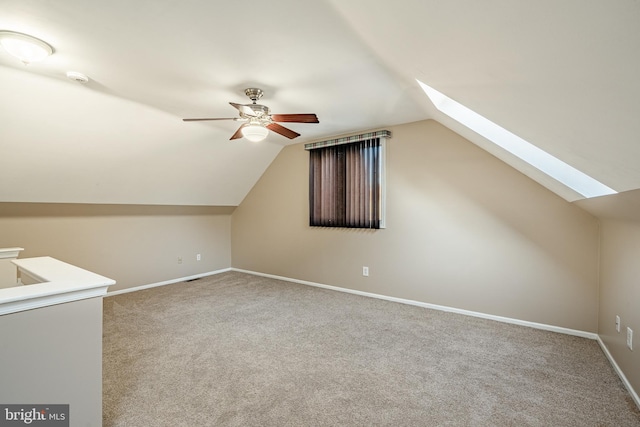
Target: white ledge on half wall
60	283
10	252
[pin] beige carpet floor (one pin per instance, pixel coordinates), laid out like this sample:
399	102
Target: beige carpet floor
241	350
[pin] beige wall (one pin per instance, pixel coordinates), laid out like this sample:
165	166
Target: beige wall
463	230
132	244
620	293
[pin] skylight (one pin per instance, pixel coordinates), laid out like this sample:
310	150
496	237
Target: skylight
541	160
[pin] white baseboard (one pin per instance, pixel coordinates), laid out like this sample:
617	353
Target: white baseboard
167	282
624	379
567	331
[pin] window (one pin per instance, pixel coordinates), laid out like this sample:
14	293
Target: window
346	181
543	161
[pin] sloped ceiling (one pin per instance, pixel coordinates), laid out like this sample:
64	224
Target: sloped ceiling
562	75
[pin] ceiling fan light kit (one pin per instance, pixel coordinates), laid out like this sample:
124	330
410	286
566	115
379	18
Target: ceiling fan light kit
26	48
258	120
254	133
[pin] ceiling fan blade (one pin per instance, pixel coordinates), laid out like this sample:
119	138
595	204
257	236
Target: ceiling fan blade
282	130
244	109
295	118
238	133
200	120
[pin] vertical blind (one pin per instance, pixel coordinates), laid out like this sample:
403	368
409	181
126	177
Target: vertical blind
345	183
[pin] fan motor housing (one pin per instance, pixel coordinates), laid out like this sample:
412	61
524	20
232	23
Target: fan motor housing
259	110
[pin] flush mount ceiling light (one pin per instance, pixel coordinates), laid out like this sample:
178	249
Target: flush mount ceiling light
254	132
25	47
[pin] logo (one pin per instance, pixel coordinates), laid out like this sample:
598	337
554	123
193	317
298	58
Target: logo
34	415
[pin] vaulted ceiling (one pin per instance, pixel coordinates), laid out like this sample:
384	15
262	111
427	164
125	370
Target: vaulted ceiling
560	74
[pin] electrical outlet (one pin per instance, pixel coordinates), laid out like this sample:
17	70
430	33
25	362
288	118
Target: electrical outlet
179	260
617	323
365	271
630	338
198	257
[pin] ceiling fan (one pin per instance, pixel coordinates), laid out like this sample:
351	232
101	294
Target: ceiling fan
258	120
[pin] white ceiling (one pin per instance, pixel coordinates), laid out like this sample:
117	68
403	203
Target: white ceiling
562	75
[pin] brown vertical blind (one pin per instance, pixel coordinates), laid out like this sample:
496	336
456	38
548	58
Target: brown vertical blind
344	185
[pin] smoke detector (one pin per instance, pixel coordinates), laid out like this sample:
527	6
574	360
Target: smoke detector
77	77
